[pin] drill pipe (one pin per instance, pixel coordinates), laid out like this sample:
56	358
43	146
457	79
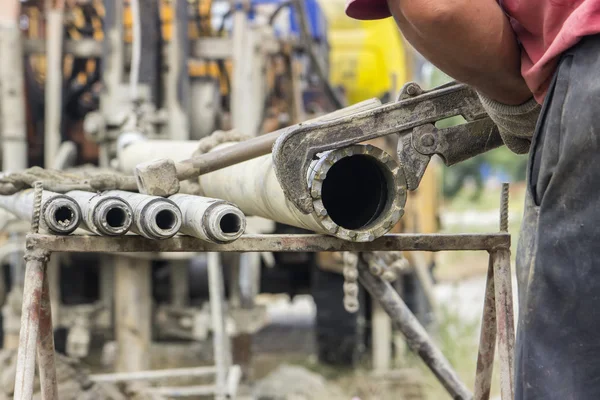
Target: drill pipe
358	192
212	220
102	214
59	214
153	217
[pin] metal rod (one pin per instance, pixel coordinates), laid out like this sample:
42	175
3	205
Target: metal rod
103	214
54	79
12	96
233	380
182	391
213	220
221	347
504	320
272	243
36	260
142	151
154	217
416	336
154	374
45	346
487	340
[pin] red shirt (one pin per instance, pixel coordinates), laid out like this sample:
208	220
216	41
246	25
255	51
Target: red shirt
545	28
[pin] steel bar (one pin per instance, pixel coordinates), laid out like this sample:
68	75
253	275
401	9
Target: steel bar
36	260
487	340
221	346
45	346
153	374
271	243
416	336
504	320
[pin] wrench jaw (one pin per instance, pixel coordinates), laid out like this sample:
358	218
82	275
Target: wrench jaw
358	192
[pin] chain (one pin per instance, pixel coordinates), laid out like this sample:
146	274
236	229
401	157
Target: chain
351	303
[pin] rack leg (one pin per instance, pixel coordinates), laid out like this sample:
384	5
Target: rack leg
487	340
45	346
416	336
504	320
36	261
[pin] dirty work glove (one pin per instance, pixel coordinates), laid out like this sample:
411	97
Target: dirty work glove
515	123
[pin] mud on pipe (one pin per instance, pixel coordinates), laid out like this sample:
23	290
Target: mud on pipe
103	214
59	214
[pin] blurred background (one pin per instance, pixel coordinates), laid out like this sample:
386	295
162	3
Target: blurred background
287	70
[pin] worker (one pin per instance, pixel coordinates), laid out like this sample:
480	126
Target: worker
518	54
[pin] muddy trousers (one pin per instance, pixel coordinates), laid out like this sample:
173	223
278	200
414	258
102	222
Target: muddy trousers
558	256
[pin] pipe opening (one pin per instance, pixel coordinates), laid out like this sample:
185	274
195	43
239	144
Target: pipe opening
64	215
355	191
230	223
165	219
116	217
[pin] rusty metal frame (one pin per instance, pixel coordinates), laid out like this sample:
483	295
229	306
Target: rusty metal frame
498	320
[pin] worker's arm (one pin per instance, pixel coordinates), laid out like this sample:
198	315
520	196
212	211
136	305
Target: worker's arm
470	40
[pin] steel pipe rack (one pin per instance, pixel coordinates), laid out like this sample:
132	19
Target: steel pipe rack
497	312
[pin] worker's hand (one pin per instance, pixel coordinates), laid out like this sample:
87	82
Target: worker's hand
515	123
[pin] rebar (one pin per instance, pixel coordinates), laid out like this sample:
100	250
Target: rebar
212	220
504	208
103	214
154	217
59	214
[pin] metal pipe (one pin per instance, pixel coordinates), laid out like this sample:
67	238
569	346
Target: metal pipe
102	214
60	214
221	346
12	97
154	217
212	220
54	80
416	336
356	192
154	374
